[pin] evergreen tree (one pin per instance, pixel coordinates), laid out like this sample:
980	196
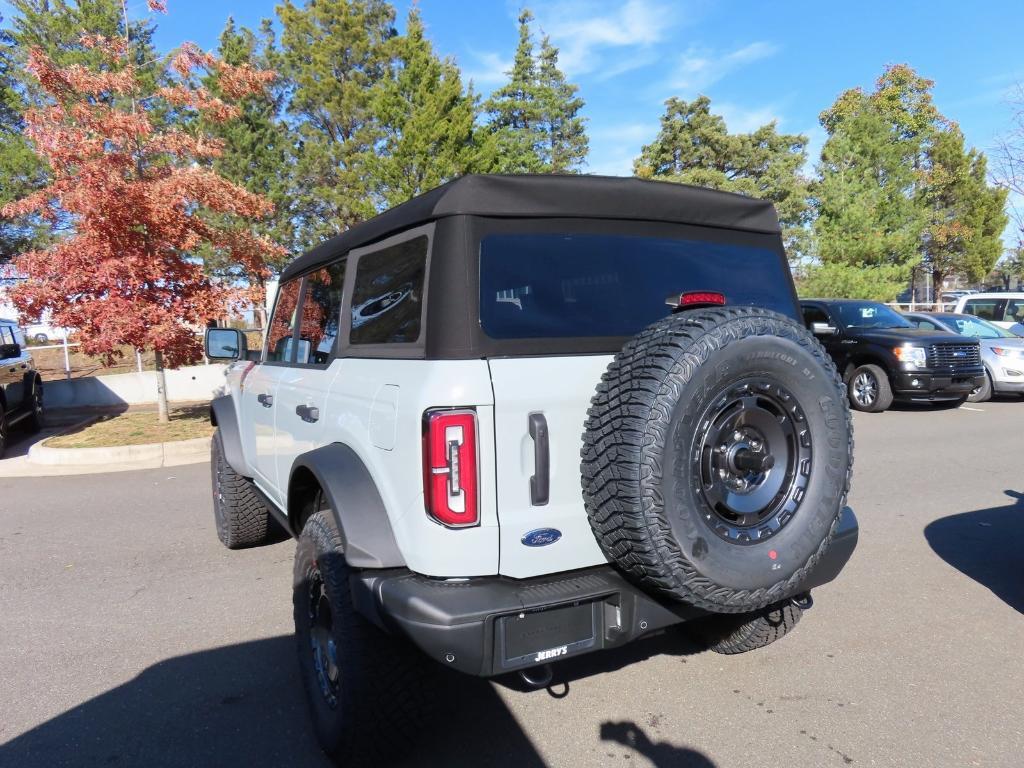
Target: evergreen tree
958	217
515	111
334	57
966	216
256	145
20	170
869	224
426	119
694	146
565	143
534	117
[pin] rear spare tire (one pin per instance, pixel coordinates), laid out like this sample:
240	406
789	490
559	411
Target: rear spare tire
716	458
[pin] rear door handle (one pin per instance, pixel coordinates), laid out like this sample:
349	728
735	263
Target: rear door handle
540	483
308	413
265	400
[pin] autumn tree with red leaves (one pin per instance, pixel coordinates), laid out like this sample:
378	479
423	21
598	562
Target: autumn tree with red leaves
141	201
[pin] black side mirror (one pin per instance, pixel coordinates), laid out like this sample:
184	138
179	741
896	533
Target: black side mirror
226	344
9	350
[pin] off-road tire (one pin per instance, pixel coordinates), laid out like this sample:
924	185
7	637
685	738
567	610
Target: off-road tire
639	480
748	632
242	517
383	682
883	397
984	392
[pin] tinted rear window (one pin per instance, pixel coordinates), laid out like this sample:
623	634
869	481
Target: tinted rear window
573	285
387	301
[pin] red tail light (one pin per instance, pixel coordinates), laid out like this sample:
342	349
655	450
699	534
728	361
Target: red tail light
450	467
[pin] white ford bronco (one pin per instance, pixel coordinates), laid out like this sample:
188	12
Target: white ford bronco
522	418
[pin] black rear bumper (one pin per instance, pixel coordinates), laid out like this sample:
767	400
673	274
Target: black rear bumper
491	625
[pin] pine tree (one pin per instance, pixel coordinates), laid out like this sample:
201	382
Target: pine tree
694	146
565	138
515	111
958	216
426	118
869	225
334	57
256	144
965	216
21	171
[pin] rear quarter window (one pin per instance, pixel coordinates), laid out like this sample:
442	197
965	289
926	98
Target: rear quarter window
582	285
387	297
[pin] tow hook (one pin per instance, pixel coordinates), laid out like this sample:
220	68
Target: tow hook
537	677
803	602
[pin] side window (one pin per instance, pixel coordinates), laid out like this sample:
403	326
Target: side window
279	332
6	335
321	314
387	298
986	309
814	315
926	325
1014	311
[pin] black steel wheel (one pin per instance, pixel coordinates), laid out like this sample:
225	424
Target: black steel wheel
366	689
755	454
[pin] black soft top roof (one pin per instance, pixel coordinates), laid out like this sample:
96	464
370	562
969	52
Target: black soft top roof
553	196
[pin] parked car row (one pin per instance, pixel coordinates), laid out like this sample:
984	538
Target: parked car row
945	358
21	388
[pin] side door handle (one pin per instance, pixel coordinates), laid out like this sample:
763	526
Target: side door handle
540	483
308	413
265	400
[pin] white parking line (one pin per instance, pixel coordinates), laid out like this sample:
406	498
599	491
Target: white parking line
968	408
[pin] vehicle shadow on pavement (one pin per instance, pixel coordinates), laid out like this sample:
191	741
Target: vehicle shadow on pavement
660	753
243	705
986	545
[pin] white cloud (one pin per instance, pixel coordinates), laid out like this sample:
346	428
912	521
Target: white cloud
700	68
582	31
489	69
614	147
743	119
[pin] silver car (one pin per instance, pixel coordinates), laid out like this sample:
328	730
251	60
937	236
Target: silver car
1002	352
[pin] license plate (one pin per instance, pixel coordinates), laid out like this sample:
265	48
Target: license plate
542	636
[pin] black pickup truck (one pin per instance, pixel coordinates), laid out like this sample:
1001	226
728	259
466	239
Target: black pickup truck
881	355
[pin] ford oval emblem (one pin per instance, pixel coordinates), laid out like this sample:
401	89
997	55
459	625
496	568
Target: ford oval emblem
541	537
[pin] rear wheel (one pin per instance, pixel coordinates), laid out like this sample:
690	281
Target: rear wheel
983	393
366	689
747	632
869	389
716	458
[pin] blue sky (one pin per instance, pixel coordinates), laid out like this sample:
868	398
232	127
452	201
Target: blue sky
757	61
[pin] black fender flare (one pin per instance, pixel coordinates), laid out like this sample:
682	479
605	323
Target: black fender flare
355	504
223	416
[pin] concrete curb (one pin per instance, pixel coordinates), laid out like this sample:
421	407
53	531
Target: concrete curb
148	455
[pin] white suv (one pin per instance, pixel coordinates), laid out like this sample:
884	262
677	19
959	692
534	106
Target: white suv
497	445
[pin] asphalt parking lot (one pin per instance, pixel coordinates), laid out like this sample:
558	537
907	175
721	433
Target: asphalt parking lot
129	637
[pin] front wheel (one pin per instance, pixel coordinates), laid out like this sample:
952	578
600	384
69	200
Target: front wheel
34	422
242	517
366	689
869	389
4	430
982	393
